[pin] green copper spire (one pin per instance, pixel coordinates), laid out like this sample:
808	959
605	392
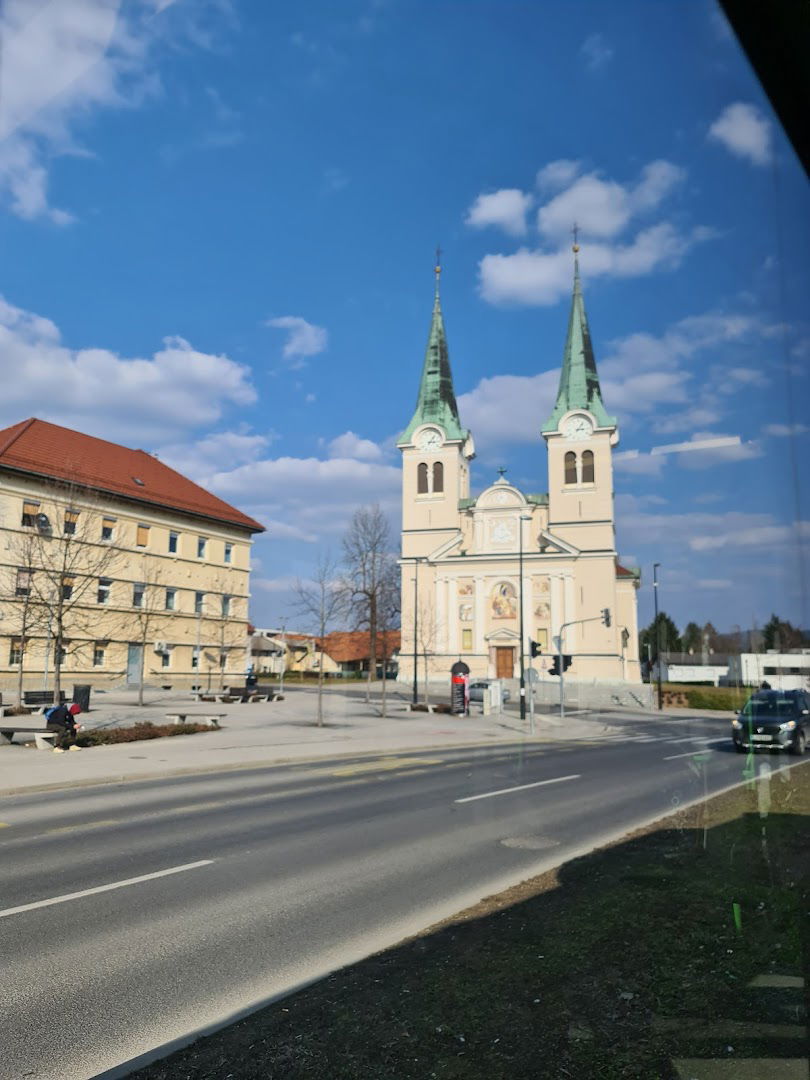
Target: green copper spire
436	403
579	380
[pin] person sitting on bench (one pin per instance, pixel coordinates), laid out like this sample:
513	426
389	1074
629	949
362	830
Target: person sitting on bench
62	719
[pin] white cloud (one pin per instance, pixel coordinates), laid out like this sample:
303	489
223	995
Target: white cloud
744	131
687	419
215	452
509	408
303	338
506	209
721	455
638	464
349	445
63	60
602	208
542	278
557	174
596	51
97	391
785	430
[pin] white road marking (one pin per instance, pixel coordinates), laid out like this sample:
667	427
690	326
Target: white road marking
694	753
103	888
522	787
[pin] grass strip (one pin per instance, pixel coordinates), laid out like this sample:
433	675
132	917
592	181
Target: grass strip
612	966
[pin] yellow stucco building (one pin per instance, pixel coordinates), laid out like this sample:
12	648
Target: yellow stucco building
115	567
462	556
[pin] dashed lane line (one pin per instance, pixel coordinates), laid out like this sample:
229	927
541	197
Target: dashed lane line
67	897
521	787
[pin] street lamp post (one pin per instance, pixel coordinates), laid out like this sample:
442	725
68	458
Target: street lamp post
523	517
657	635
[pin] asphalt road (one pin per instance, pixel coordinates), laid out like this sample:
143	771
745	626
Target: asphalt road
230	888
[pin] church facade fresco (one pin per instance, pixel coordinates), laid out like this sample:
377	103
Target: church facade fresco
465	551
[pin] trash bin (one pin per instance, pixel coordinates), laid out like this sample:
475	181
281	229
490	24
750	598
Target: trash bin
81	696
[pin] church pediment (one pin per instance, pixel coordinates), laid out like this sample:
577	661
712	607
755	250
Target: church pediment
500	496
553	545
503	635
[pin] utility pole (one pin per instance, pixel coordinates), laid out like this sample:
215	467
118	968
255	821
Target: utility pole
657	635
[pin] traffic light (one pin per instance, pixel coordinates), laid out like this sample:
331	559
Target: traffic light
534	649
555	666
606	616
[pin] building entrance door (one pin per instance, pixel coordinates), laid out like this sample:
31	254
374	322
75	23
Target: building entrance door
504	663
134	655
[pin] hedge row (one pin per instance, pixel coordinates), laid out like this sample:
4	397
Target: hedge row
144	730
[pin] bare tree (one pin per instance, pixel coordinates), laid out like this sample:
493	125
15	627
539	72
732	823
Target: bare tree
150	604
369	569
227	629
25	612
320	601
389	611
69	557
426	637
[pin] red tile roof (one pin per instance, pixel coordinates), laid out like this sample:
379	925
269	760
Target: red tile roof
43	449
345	646
623	572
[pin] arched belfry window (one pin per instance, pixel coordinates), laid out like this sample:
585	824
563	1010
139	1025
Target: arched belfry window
570	467
422	478
438	477
587	467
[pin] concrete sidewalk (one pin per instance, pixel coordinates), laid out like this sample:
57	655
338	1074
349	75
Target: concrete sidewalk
262	734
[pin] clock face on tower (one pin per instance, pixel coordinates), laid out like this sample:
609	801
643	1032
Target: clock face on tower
576	428
429	439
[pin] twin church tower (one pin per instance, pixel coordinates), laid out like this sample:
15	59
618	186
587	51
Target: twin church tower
462	555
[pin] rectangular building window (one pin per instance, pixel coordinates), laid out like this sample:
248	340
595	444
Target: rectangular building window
170	599
68	583
173	538
29	513
466	640
165	659
15	651
71	521
199	603
98	655
201	542
60	653
142	536
226	606
228	553
541	637
138	591
23	584
104	587
107	528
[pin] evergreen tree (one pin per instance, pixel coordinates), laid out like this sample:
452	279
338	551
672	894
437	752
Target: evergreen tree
662	634
692	638
781	635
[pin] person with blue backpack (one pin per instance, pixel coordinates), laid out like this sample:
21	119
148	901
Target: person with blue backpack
62	720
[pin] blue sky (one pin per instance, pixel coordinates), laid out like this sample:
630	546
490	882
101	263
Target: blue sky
218	218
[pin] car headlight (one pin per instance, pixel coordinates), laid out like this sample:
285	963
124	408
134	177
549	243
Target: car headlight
736	724
788	726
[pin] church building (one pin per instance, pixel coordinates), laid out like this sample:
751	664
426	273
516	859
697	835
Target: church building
463	556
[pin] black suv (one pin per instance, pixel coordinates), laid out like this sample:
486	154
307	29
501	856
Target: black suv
773	719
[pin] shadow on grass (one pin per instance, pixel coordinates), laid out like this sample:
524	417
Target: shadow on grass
675	953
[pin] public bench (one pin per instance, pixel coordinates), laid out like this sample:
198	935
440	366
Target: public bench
194	717
42	697
42	737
